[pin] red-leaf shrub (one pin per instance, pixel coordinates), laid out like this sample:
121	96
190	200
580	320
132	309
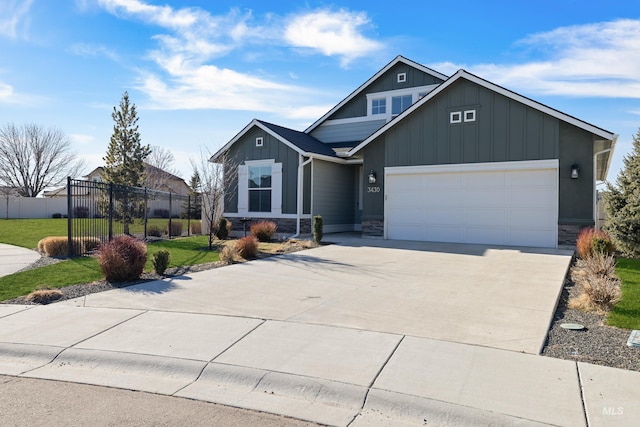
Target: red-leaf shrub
586	239
264	230
247	247
123	258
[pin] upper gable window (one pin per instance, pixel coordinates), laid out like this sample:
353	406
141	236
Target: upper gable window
379	106
470	116
455	117
400	103
402	77
259	141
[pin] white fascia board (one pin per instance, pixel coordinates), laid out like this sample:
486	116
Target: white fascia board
493	87
362	87
400	116
325	158
538	106
474	167
255	122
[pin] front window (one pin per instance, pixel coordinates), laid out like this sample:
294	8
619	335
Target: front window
379	106
260	188
400	103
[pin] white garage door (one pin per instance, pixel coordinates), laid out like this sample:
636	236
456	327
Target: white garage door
507	203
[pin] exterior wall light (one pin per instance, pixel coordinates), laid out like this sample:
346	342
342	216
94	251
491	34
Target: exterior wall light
372	177
575	171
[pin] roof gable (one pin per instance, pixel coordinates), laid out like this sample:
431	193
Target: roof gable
398	59
302	143
462	74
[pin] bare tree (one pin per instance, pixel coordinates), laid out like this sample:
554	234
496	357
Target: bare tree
33	158
159	168
216	180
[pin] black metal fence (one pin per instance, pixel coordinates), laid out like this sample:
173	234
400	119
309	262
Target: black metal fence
98	212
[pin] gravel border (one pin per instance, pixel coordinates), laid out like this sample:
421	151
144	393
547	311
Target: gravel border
597	343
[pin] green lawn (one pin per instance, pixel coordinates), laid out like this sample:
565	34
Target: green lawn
28	232
626	314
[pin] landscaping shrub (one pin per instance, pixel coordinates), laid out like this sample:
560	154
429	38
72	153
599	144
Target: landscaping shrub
603	246
586	239
91	244
56	215
44	296
160	261
247	247
57	246
123	258
600	288
81	212
195	228
317	229
154	231
229	254
222	231
176	228
263	230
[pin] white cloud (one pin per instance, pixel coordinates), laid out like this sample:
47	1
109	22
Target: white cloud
81	139
332	34
594	60
13	17
191	39
85	49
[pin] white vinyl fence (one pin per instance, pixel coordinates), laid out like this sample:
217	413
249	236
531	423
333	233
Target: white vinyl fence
31	207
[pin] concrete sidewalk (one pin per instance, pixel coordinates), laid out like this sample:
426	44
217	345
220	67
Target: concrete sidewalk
263	353
14	258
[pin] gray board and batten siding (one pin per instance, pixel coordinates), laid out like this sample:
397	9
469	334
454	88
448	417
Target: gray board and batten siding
333	195
245	149
504	130
357	107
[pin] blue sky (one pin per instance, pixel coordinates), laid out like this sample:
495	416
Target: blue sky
200	70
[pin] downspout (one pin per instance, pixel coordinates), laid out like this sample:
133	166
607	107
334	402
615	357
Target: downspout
301	166
595	190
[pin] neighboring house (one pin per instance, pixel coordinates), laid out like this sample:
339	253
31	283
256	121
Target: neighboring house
157	179
415	155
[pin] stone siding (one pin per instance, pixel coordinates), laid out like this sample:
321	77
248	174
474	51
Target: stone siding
286	226
568	234
373	228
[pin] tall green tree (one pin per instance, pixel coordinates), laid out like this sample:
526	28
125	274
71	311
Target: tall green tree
622	204
124	161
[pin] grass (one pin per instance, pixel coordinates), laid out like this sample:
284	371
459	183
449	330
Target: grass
27	233
626	314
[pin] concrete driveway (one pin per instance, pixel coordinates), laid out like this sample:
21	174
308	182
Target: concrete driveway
496	297
356	333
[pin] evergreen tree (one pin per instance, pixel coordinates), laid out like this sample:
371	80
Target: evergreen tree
193	208
124	161
622	204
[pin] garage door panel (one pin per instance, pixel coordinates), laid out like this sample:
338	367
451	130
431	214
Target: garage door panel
452	234
505	207
485	217
443	216
484	198
483	179
486	235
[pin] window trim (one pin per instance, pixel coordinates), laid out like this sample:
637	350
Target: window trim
276	187
402	77
455	117
472	118
413	91
259	141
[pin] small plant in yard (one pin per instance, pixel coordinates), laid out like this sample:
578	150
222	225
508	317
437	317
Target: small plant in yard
600	288
161	261
176	228
91	243
317	229
591	240
222	231
195	228
44	295
229	254
263	230
123	258
154	231
247	247
57	246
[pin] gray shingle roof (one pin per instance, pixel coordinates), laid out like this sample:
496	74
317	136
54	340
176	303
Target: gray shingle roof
303	141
